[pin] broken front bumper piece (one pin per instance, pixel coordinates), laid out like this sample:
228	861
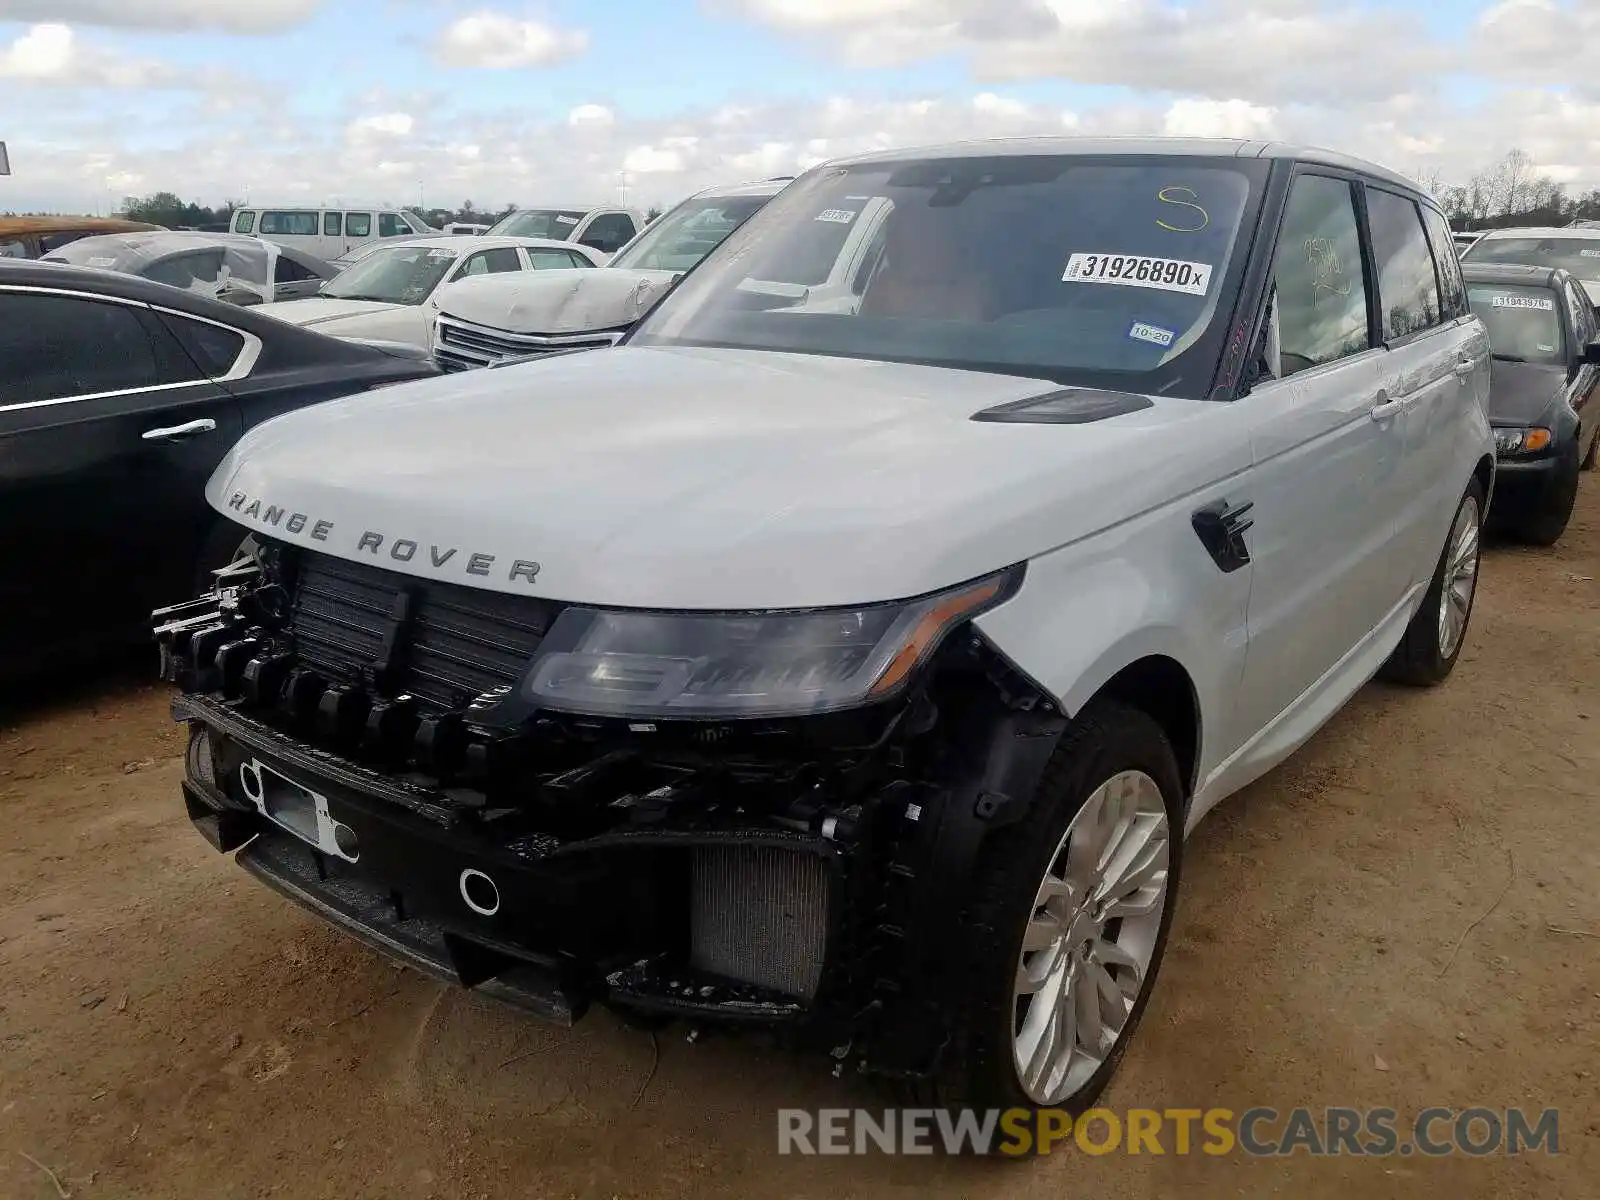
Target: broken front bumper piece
716	922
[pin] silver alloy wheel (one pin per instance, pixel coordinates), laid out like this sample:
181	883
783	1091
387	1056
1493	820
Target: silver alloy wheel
1091	938
1460	577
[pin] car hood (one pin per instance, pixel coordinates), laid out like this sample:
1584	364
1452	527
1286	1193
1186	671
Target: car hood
576	300
1521	393
319	310
710	478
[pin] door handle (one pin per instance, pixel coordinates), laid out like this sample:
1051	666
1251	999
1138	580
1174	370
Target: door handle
176	433
1383	408
1465	368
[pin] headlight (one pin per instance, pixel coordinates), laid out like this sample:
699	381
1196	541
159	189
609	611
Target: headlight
1520	441
763	664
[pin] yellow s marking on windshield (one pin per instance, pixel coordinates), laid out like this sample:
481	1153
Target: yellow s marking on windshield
1172	195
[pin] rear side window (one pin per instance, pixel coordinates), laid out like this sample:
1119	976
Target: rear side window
185	270
358	224
296	224
1320	276
1452	287
54	241
244	221
213	348
333	224
57	347
1406	282
288	271
492	262
547	258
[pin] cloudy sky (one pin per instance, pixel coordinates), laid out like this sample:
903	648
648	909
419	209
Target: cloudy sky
567	101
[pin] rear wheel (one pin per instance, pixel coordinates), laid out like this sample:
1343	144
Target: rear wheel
1433	640
1072	908
1545	526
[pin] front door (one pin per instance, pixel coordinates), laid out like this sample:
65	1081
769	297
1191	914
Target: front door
1328	454
108	432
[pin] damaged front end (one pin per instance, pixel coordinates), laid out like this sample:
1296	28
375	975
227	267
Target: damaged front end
385	751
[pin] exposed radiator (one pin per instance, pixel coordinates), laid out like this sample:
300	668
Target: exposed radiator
760	915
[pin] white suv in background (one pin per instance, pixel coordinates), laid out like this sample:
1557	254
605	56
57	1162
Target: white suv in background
604	229
483	322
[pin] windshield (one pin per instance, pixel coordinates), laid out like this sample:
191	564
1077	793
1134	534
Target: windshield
539	222
1106	271
688	233
1578	256
392	274
1524	323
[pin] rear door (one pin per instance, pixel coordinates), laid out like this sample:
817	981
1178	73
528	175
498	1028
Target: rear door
357	230
108	432
1328	449
1432	361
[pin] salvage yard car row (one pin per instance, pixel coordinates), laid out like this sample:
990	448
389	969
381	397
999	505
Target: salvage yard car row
849	647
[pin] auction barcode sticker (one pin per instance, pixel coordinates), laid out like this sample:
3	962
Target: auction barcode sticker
839	216
1138	270
1542	303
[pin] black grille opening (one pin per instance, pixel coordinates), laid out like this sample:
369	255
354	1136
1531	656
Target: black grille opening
393	634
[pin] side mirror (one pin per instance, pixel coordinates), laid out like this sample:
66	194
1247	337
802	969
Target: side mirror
1591	353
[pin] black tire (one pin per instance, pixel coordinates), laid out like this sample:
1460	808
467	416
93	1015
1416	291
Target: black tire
224	545
1545	527
1417	660
978	1069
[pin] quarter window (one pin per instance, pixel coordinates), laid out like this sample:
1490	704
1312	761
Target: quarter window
1406	281
1320	277
390	225
333	224
213	348
547	258
293	224
357	224
1452	287
56	347
244	221
12	248
288	271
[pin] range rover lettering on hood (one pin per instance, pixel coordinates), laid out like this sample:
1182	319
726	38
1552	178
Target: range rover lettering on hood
378	544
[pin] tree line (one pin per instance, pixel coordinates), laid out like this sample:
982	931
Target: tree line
173	212
1513	191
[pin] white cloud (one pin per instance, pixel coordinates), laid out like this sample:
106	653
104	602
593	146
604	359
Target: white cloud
386	147
1265	52
52	55
591	115
1218	118
231	16
384	125
498	41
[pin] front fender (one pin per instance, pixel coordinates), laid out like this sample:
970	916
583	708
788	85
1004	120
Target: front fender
1088	610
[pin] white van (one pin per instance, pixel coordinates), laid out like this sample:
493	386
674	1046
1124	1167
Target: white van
327	233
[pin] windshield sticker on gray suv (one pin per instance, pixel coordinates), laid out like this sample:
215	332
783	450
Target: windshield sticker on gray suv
1139	270
1143	331
1543	303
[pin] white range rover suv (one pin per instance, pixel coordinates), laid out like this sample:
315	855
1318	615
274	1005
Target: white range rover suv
858	672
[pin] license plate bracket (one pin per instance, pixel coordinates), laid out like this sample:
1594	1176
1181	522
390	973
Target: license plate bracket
297	809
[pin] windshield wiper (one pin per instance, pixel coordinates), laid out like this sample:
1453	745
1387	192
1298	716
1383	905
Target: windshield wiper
359	296
1509	358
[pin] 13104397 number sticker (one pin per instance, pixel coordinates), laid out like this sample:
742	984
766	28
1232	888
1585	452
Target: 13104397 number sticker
1139	270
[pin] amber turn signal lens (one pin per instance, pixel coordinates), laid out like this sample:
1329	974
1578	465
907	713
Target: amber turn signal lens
929	630
1536	439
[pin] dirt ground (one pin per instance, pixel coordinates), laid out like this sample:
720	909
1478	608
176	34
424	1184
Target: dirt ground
1368	926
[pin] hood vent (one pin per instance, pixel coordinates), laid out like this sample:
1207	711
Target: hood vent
1069	406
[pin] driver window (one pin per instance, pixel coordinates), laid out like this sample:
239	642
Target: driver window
1320	277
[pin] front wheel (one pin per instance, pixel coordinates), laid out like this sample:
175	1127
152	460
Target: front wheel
1072	908
1432	642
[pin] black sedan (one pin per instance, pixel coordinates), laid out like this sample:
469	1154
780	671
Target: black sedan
1546	365
118	397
